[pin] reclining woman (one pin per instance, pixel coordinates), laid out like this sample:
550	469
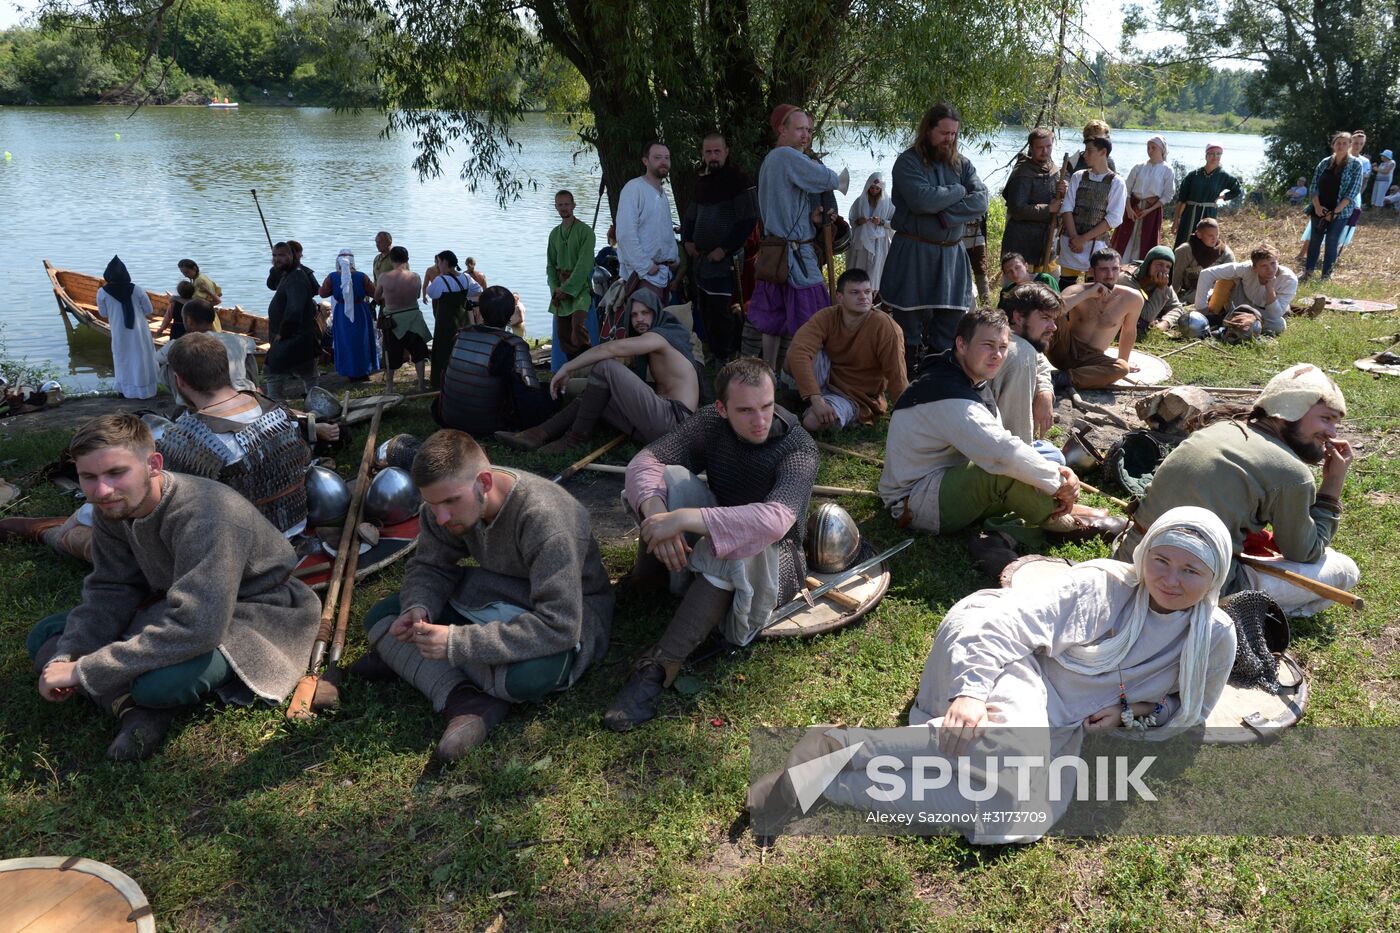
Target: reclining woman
1137	649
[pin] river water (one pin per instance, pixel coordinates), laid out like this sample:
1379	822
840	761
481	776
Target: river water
83	183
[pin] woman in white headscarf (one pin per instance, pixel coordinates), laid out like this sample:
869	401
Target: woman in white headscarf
127	310
871	233
356	340
1140	650
1150	187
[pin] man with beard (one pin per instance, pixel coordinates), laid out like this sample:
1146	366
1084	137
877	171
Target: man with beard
846	358
927	281
1098	310
788	180
720	218
735	542
949	462
657	345
525	621
569	263
291	323
1253	468
1205	248
191	593
1093	206
1022	388
646	238
1153	277
1033	196
1199	193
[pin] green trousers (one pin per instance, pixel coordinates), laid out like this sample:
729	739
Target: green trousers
526	681
971	494
177	685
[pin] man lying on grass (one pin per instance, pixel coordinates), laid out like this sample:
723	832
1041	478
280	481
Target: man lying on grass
191	593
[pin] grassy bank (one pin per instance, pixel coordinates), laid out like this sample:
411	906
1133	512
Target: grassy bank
245	823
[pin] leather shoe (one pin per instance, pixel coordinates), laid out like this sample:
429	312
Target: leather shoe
570	441
1084	525
635	703
470	715
28	528
143	730
527	440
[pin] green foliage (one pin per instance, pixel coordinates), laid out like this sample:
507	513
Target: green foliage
52	69
1326	65
231	41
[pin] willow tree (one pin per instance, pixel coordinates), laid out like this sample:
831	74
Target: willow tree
669	69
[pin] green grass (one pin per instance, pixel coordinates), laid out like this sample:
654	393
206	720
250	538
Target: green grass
244	822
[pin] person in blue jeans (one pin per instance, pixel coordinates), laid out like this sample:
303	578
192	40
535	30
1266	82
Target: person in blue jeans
1336	185
526	621
191	593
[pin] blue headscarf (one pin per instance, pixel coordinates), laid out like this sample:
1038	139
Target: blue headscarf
117	283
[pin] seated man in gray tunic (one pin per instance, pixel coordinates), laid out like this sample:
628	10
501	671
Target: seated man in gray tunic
734	544
190	593
525	622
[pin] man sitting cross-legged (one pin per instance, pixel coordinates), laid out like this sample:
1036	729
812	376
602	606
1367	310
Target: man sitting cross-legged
950	463
526	621
847	357
658	345
191	592
1097	311
736	543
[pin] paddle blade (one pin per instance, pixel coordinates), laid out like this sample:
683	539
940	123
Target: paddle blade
300	705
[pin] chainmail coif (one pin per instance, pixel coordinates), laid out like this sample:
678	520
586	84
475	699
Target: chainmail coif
1261	628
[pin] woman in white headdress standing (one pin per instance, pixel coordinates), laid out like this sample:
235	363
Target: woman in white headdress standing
871	233
1150	186
356	340
127	309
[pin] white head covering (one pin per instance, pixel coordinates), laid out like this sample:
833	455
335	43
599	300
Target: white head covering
1292	392
1207	539
867	236
1161	141
345	265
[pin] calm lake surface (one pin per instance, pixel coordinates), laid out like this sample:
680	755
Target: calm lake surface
176	184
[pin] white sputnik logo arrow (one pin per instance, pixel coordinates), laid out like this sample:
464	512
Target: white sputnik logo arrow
811	778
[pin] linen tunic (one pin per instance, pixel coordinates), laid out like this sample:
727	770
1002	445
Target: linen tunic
932	202
133	348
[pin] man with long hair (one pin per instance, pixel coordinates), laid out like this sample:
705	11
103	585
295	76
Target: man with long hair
927	281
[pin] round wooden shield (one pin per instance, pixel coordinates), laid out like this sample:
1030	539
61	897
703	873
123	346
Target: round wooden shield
1151	370
829	612
1368	364
1248	714
1359	305
395	543
58	893
1033	570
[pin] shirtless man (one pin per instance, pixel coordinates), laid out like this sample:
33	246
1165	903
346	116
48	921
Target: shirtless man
657	344
405	331
1097	310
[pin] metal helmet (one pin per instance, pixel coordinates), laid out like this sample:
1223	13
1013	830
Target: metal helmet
158	425
599	280
51	385
391	497
322	404
833	540
397	451
327	497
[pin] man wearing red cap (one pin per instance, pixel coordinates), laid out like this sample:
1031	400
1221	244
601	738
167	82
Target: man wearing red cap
790	184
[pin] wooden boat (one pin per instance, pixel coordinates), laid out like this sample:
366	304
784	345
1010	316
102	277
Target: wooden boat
77	296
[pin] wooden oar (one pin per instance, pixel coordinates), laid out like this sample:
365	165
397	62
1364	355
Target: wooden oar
577	465
1351	600
819	490
300	705
342	621
832	448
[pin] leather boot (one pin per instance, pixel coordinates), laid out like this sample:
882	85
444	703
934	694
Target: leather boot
541	434
648	576
1083	523
29	529
704	607
470	715
590	407
373	668
571	440
142	731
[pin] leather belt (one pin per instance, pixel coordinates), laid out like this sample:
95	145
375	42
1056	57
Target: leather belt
918	239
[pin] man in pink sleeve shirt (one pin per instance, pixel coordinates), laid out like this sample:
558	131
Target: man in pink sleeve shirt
734	545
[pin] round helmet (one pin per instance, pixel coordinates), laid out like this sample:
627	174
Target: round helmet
833	540
599	280
51	385
327	497
158	425
397	451
840	236
322	404
391	497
